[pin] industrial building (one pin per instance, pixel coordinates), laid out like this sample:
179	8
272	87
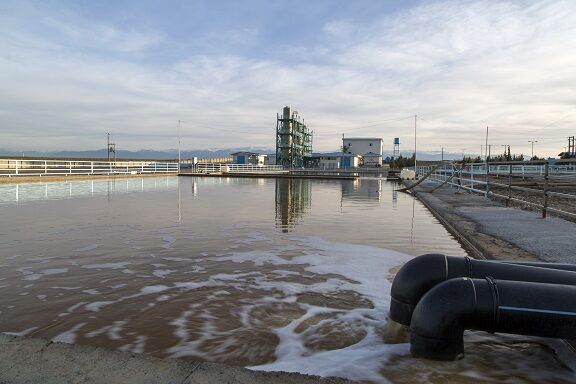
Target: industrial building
332	160
293	139
251	158
372	159
369	148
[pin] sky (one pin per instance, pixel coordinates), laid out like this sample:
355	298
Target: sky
70	71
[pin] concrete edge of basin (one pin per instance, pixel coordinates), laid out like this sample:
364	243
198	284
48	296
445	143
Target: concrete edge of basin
33	360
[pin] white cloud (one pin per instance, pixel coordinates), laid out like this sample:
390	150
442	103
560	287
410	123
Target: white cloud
461	65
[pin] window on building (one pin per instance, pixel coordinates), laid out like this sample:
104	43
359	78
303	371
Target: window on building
349	144
370	144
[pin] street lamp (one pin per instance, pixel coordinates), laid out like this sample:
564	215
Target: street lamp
532	142
179	121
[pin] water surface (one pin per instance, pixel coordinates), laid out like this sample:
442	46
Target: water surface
271	274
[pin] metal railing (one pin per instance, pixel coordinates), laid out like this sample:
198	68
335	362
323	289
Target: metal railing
537	184
37	167
234	168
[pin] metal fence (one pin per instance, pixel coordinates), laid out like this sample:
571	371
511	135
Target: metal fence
37	167
538	184
235	168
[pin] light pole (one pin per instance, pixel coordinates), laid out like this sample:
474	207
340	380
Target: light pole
532	142
415	123
179	121
108	145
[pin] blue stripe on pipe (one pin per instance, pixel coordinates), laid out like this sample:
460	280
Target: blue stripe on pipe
538	310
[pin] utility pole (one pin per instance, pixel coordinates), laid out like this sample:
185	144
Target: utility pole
571	150
442	154
486	143
179	121
111	147
532	142
108	144
415	120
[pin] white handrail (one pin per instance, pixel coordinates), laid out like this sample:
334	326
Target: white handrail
42	167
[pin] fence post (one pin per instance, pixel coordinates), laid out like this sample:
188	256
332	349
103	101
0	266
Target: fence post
142	167
545	205
45	167
110	163
487	179
509	184
91	167
155	167
17	167
472	176
522	171
70	167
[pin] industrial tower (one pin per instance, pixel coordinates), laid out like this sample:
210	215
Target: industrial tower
293	139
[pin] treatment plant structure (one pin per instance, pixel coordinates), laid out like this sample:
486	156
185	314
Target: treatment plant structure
293	139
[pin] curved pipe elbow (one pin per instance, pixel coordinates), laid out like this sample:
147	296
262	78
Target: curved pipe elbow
422	273
412	281
442	315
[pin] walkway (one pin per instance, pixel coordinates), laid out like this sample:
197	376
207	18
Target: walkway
494	231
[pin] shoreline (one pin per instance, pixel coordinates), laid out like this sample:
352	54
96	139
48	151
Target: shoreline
33	360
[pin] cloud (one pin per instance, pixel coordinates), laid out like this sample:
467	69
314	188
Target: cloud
461	65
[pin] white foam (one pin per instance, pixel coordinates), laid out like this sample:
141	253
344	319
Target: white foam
87	248
106	266
68	336
22	333
259	258
162	273
364	270
35	276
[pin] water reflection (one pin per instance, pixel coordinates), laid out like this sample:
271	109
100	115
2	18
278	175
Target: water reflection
56	190
362	189
293	197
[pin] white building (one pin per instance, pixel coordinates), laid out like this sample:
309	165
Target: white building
248	158
334	160
372	159
363	146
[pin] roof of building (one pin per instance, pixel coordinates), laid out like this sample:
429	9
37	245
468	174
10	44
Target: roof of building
362	138
245	153
333	154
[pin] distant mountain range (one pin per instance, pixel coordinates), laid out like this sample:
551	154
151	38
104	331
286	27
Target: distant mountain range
143	154
170	154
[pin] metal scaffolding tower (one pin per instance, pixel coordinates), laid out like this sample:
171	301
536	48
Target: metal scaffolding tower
293	139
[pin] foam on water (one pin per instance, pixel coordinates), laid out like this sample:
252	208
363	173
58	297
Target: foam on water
106	266
352	268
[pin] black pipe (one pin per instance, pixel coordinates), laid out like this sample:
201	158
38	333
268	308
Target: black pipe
561	266
420	274
523	308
